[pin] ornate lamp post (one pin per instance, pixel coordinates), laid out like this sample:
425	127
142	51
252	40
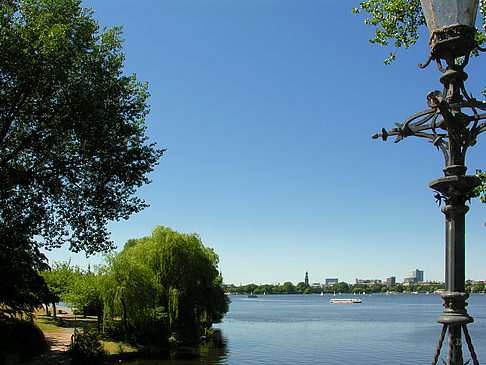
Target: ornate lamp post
452	124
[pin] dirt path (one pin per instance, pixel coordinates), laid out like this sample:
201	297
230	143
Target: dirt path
58	343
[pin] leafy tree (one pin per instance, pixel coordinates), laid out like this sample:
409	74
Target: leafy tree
188	274
60	280
394	19
85	293
166	287
130	293
288	288
302	287
478	288
341	287
22	289
73	147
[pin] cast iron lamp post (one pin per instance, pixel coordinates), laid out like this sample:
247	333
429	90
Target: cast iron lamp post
452	124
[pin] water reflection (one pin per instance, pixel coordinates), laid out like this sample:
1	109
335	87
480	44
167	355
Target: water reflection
307	330
213	351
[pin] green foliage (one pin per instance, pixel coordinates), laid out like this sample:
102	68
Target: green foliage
480	191
130	292
341	287
73	148
478	287
302	288
164	288
87	348
22	289
394	19
60	279
22	337
288	287
85	293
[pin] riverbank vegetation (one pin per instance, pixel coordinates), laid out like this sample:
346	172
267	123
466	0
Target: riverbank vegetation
159	290
345	288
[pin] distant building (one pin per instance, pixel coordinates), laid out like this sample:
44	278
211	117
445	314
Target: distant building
368	282
316	285
408	281
391	281
417	275
331	281
306	280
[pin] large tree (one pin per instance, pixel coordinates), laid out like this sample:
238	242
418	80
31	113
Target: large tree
73	148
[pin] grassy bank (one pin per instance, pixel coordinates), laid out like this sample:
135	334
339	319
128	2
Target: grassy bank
55	329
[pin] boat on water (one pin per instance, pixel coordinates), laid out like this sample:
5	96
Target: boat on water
345	300
252	295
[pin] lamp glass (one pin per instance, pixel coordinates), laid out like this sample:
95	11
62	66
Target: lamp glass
444	13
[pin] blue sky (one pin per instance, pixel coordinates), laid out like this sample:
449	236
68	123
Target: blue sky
266	108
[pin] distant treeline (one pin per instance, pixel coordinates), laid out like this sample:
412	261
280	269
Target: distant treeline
343	287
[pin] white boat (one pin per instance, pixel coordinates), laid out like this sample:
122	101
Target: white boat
322	294
345	301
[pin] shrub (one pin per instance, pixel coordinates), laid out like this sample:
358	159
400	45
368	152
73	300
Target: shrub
20	336
86	348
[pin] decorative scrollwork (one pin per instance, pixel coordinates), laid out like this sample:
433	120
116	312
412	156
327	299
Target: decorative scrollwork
442	120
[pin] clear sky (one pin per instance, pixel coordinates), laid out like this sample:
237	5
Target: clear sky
266	108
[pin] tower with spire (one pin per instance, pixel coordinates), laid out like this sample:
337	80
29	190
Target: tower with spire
306	280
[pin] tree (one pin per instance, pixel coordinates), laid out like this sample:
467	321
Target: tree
22	289
302	287
73	148
287	288
478	288
341	287
188	274
60	282
130	292
166	287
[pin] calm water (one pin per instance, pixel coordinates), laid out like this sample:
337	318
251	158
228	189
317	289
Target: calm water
307	329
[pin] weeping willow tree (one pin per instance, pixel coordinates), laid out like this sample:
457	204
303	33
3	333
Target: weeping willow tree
167	285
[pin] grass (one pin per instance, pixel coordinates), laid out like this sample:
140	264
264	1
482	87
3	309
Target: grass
114	348
47	324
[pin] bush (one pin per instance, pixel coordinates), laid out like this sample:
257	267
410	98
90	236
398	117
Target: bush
86	348
22	337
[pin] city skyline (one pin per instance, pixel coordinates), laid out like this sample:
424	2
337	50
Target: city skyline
326	280
267	111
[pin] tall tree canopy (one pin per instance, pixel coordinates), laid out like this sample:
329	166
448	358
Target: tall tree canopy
73	148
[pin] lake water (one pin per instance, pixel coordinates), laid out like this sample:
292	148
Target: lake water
307	329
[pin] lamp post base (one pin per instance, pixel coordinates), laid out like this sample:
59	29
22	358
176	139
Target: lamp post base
455	345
